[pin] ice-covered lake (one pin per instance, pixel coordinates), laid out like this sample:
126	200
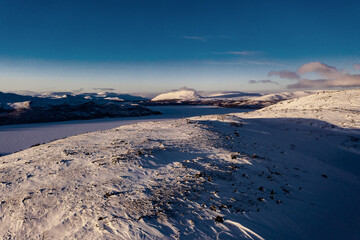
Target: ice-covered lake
14	138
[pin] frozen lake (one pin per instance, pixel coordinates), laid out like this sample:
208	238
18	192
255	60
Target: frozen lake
14	138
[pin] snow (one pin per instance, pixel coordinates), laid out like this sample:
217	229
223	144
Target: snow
233	95
18	137
265	174
114	99
283	95
340	108
182	95
20	105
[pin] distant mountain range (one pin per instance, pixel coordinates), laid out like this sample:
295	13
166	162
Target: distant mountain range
63	106
188	94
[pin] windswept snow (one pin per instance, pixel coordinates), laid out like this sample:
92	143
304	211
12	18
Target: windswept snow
183	94
340	108
18	137
235	176
283	96
229	95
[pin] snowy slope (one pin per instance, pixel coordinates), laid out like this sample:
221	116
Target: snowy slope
235	176
229	95
181	94
341	108
283	95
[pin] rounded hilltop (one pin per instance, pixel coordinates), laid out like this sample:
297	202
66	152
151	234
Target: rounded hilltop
182	94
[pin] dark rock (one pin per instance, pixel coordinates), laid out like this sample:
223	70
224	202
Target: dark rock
219	219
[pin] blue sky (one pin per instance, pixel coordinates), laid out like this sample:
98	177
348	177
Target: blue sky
139	46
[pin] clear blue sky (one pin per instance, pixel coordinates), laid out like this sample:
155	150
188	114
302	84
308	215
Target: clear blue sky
137	46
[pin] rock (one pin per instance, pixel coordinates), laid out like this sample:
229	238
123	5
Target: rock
219	219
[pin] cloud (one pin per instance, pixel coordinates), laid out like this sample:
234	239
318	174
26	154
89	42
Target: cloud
346	81
203	39
284	74
240	62
265	63
104	89
330	77
317	67
242	53
262	81
357	66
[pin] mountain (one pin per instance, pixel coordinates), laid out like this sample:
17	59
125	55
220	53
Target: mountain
184	94
64	106
283	96
229	95
275	173
12	98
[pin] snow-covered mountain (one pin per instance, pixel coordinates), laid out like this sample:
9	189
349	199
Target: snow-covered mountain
283	95
184	94
63	106
275	173
226	98
229	95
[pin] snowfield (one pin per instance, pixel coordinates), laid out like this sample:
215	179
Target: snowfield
288	171
340	108
283	96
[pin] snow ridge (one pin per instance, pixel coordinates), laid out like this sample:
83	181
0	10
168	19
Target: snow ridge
340	108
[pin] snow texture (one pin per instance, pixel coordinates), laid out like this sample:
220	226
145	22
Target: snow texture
283	95
259	175
18	137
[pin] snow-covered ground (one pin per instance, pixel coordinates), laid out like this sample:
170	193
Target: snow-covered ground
14	138
341	108
268	174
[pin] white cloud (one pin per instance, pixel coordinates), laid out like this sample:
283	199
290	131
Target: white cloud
284	74
262	81
345	81
265	63
317	67
331	77
203	39
104	89
242	53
